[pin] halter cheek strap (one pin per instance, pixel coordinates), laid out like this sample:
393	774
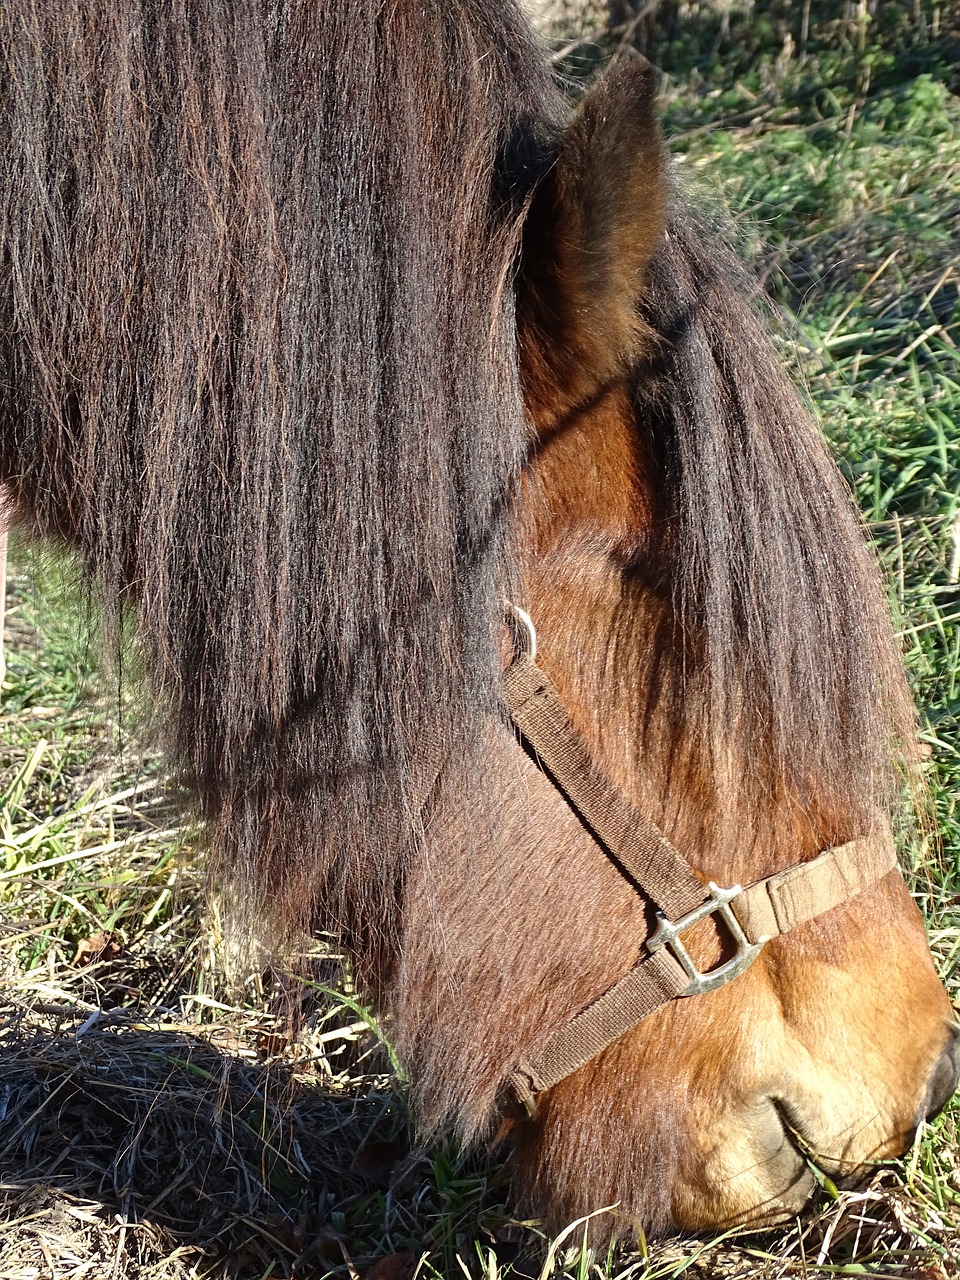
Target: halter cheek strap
660	874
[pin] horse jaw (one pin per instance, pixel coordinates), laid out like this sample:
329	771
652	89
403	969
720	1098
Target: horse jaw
705	1114
715	1111
828	1067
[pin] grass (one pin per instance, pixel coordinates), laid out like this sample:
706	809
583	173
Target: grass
156	1121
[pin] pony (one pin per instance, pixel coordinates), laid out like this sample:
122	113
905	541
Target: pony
327	331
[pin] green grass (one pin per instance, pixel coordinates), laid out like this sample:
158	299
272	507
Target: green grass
80	791
841	169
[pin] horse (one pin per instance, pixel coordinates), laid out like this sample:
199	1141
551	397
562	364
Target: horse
510	618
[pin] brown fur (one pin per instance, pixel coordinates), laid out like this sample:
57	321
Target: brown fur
320	339
592	228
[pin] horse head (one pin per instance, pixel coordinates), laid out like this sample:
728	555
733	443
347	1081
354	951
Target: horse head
711	621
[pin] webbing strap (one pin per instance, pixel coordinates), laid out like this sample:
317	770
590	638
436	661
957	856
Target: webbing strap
769	907
766	909
639	847
652	982
790	898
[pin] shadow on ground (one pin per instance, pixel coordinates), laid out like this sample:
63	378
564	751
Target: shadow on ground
143	1151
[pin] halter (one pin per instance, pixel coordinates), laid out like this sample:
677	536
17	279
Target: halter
661	875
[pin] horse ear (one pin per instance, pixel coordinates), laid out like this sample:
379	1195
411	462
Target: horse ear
594	223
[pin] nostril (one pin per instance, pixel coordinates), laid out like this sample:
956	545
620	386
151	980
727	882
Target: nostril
943	1081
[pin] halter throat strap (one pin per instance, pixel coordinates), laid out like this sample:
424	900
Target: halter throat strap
660	874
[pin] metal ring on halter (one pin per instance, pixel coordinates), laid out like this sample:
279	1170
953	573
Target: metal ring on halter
668	935
526	628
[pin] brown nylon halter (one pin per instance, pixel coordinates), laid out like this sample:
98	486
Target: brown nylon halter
660	874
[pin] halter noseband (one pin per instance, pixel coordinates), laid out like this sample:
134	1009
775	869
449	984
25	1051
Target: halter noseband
659	873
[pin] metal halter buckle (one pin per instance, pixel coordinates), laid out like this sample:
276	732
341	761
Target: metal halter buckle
668	934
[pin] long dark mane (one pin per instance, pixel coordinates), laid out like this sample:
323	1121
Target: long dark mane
257	359
286	422
795	673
